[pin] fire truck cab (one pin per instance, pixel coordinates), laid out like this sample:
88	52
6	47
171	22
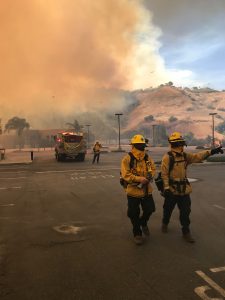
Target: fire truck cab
70	145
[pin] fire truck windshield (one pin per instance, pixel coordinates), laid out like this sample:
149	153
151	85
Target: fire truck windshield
73	139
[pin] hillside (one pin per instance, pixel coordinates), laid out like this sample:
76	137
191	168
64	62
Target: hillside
191	108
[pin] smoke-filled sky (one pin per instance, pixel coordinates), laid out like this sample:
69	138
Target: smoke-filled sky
60	56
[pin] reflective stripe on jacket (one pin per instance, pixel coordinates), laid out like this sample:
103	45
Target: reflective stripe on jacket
132	176
176	181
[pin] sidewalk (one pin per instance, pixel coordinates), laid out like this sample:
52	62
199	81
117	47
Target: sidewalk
16	157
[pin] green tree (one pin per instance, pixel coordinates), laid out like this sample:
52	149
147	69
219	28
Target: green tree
189	137
17	124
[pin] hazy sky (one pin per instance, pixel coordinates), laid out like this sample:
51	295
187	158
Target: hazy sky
60	56
192	38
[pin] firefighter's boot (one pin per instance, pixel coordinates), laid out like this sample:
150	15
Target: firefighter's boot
145	230
138	239
188	237
164	228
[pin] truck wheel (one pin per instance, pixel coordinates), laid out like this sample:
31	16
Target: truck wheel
58	157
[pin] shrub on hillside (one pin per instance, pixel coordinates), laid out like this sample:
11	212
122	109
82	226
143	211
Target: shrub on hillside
149	118
190	109
172	119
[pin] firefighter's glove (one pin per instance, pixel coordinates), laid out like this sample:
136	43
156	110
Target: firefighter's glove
167	193
144	180
217	150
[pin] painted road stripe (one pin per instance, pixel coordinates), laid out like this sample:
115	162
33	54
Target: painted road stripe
220	207
215	270
11	204
211	282
13	178
201	292
13	187
75	170
91	177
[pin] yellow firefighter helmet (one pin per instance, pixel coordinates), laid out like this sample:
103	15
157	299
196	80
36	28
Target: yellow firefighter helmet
138	139
176	138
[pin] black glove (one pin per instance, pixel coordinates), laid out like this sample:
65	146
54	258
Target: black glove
217	150
167	193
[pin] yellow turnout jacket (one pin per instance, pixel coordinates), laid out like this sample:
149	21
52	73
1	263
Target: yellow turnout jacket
177	181
140	169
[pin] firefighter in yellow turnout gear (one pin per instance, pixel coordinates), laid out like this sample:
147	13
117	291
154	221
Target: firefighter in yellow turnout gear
177	189
96	150
137	171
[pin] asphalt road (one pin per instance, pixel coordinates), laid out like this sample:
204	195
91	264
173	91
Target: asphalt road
64	235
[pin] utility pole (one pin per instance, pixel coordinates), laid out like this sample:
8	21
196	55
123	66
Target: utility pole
118	115
213	139
88	125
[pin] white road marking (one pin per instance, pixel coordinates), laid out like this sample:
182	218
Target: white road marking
13	178
83	170
99	175
212	283
220	207
192	179
12	187
200	291
11	204
215	270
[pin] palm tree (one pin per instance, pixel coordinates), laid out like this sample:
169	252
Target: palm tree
17	124
75	125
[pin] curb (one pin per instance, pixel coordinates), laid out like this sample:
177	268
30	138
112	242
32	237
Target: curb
15	163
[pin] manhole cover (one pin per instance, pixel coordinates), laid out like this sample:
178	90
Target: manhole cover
67	229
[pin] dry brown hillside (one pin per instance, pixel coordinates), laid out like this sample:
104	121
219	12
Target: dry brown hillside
190	107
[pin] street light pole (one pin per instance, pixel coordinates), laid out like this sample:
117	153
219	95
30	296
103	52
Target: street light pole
118	115
213	139
88	125
153	135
